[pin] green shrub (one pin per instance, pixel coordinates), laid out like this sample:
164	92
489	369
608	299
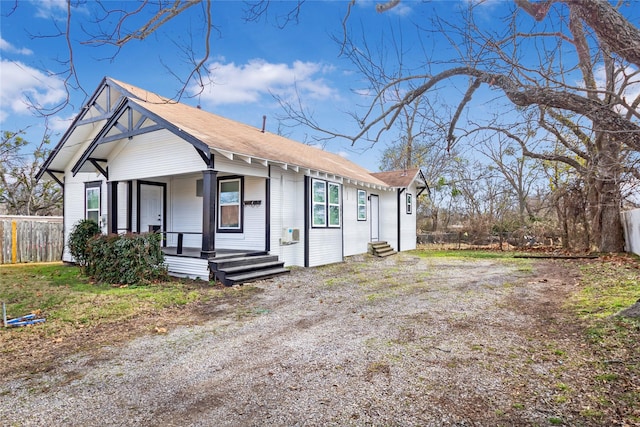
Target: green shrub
81	233
126	259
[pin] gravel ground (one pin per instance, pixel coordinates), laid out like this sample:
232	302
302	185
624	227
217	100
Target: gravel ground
396	341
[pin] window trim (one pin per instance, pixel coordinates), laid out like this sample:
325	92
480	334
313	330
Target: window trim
363	204
325	205
409	202
94	185
330	205
322	203
240	204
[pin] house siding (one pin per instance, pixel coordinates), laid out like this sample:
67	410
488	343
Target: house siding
154	154
184	211
188	267
74	205
325	246
122	200
408	221
389	217
356	233
287	210
253	233
326	243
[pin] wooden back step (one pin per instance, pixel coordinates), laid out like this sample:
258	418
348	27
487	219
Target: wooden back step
381	249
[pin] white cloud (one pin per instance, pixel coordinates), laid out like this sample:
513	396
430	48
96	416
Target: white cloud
50	8
632	87
401	8
5	46
248	83
58	124
24	87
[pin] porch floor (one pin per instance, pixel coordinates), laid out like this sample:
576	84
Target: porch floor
220	253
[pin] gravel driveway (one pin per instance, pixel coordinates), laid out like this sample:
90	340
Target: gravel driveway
396	341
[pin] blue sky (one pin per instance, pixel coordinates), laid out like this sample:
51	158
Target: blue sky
250	61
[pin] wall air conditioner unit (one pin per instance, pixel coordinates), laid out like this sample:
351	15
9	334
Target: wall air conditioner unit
290	235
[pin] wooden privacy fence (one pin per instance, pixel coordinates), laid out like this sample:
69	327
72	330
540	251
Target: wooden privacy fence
30	239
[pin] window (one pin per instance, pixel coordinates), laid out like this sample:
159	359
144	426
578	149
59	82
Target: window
334	205
229	205
409	203
362	205
325	204
319	203
92	201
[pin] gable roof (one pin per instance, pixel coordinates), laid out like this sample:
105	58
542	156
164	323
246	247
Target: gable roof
400	178
222	136
230	137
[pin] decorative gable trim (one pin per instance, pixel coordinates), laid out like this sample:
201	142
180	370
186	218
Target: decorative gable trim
128	120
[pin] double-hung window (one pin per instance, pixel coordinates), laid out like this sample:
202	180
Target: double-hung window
325	204
362	205
92	201
334	204
319	203
409	203
230	204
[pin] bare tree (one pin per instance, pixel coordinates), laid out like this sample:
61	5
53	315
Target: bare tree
597	116
20	192
520	172
494	59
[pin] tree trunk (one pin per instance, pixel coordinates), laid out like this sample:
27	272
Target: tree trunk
609	197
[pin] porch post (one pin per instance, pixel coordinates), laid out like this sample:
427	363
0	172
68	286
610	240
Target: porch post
209	189
112	207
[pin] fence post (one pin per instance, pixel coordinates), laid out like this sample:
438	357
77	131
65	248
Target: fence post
14	242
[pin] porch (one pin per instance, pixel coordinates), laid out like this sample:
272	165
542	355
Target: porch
229	266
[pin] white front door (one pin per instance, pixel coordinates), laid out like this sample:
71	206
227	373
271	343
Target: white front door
374	205
151	207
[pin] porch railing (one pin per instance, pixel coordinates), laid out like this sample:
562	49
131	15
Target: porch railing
180	234
180	238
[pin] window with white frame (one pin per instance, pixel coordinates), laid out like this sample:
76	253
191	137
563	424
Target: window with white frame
230	204
362	205
326	204
318	203
409	203
334	204
92	201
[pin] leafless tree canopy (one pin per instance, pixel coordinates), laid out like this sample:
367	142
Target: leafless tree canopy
562	71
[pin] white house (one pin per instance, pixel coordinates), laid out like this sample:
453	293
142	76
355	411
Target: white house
136	162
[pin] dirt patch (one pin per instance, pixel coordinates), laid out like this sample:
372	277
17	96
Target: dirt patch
396	341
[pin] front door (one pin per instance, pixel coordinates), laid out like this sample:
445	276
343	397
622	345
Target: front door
151	208
374	205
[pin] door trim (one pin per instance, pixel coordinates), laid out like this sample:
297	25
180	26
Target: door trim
377	217
139	184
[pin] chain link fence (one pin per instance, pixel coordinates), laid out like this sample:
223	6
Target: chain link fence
470	240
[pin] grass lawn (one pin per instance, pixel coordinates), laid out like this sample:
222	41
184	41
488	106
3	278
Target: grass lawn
66	298
83	315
